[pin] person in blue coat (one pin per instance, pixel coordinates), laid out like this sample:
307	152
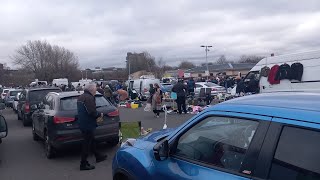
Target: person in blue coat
87	116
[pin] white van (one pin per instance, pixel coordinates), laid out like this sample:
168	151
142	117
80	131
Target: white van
60	81
38	83
310	81
142	86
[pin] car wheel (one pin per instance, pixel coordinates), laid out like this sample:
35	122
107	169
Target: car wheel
120	176
48	148
35	137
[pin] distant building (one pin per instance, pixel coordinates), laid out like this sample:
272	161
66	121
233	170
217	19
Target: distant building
173	73
134	56
230	69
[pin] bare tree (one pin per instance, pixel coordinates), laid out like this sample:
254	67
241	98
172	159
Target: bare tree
186	65
46	61
222	60
140	61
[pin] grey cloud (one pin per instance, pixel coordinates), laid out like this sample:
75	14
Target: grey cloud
102	32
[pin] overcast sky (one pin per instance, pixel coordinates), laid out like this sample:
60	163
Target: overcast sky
100	33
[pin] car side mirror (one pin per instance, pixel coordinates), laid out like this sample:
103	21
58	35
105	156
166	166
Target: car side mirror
33	107
161	150
3	127
2	106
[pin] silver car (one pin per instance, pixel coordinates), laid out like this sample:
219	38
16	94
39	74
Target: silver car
215	89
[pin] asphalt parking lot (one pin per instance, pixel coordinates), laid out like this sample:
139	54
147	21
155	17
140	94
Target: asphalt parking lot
21	158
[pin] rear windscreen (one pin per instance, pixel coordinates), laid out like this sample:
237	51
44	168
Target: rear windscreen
14	93
38	95
5	91
70	103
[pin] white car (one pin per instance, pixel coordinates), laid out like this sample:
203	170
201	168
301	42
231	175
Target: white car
4	93
215	89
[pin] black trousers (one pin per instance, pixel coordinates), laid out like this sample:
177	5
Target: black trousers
88	144
181	102
157	112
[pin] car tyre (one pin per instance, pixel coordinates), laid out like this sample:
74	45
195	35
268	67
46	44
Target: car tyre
35	137
121	176
48	147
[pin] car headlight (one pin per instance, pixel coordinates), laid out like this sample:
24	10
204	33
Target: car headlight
129	142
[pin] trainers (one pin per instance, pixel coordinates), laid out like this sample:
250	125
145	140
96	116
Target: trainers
101	158
87	166
158	116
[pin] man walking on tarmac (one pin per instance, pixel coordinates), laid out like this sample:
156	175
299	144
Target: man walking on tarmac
181	91
87	115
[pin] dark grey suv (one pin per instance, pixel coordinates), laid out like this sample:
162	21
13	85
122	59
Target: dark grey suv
27	98
55	121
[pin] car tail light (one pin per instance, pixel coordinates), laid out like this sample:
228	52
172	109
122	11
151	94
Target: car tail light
59	120
114	113
4	94
27	107
213	89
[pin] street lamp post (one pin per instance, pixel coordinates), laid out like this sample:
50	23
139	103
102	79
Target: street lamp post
129	71
129	66
207	49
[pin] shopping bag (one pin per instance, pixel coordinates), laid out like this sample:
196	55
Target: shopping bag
148	107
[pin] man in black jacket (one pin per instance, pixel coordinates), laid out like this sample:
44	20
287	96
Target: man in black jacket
87	116
181	91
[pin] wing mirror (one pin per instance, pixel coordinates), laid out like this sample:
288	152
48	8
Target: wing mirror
3	127
2	106
161	150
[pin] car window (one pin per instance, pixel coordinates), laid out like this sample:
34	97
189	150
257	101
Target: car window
70	103
14	93
198	86
209	84
252	75
5	91
297	155
48	102
101	101
219	141
38	95
22	96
